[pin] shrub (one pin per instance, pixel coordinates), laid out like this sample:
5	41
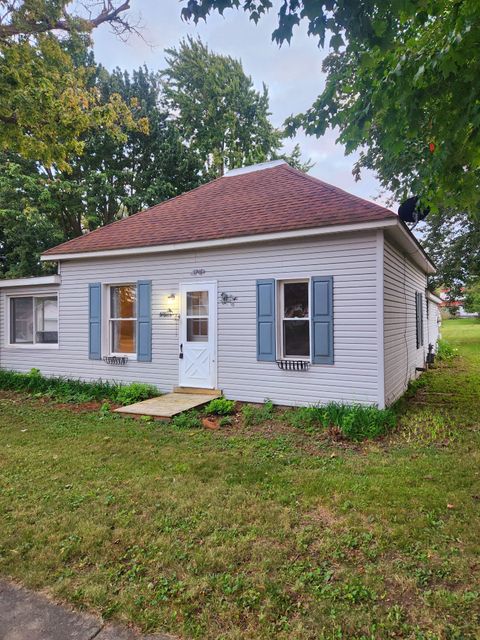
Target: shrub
220	407
356	422
445	351
226	421
68	390
257	415
135	392
187	420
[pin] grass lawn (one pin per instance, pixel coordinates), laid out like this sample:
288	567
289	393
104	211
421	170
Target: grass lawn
261	533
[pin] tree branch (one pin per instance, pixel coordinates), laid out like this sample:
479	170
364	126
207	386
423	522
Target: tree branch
109	13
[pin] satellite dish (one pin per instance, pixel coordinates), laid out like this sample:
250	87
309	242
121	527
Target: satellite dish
409	212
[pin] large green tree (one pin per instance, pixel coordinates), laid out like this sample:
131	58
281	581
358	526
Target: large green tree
452	239
47	102
220	114
114	177
402	87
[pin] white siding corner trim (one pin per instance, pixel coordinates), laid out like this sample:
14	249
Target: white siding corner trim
380	317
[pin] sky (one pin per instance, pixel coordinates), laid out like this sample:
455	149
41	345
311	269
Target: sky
292	73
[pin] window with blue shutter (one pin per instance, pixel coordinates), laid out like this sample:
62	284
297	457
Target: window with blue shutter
419	318
144	320
266	350
322	320
95	321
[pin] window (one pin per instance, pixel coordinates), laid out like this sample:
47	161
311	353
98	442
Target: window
419	318
295	319
123	319
197	316
34	320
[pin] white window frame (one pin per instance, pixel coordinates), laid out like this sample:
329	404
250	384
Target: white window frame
109	320
30	345
281	318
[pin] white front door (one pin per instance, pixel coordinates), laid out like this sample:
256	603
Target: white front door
197	351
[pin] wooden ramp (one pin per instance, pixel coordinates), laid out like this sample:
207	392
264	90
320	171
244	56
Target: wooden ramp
170	404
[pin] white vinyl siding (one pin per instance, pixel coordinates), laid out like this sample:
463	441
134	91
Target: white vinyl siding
433	324
402	280
349	258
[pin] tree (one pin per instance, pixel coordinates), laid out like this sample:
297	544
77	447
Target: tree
452	239
472	296
219	113
46	104
113	177
402	87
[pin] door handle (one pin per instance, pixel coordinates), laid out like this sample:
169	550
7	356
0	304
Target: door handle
180	355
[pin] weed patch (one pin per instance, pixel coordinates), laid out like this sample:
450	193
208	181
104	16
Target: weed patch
253	415
355	422
75	391
220	407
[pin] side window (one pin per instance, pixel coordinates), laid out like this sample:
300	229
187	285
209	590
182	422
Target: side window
419	318
34	320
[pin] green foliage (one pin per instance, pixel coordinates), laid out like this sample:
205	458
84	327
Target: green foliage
401	88
452	240
220	407
187	420
135	392
225	421
445	350
356	422
223	119
68	390
472	296
256	415
46	100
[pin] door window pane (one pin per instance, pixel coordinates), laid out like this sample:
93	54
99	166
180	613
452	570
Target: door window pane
197	303
296	337
124	339
295	296
21	320
46	320
197	330
123	301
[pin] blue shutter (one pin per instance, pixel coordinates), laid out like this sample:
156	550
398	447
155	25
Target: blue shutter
322	320
95	321
419	318
266	320
144	320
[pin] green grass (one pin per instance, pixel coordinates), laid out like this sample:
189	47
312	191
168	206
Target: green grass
254	532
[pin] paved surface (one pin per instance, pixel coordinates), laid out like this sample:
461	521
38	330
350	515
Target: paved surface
168	405
25	615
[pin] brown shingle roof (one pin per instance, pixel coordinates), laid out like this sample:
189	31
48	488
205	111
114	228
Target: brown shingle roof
267	200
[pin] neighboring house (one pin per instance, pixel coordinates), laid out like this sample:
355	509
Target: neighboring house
265	283
453	308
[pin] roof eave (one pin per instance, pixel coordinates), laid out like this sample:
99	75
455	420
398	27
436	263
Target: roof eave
221	242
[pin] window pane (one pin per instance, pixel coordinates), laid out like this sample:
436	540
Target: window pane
197	303
124	336
123	302
197	330
295	295
46	320
21	320
296	338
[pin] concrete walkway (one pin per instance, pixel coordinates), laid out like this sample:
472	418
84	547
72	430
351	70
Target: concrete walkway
25	615
170	404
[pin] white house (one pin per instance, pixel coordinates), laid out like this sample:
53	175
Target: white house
265	283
